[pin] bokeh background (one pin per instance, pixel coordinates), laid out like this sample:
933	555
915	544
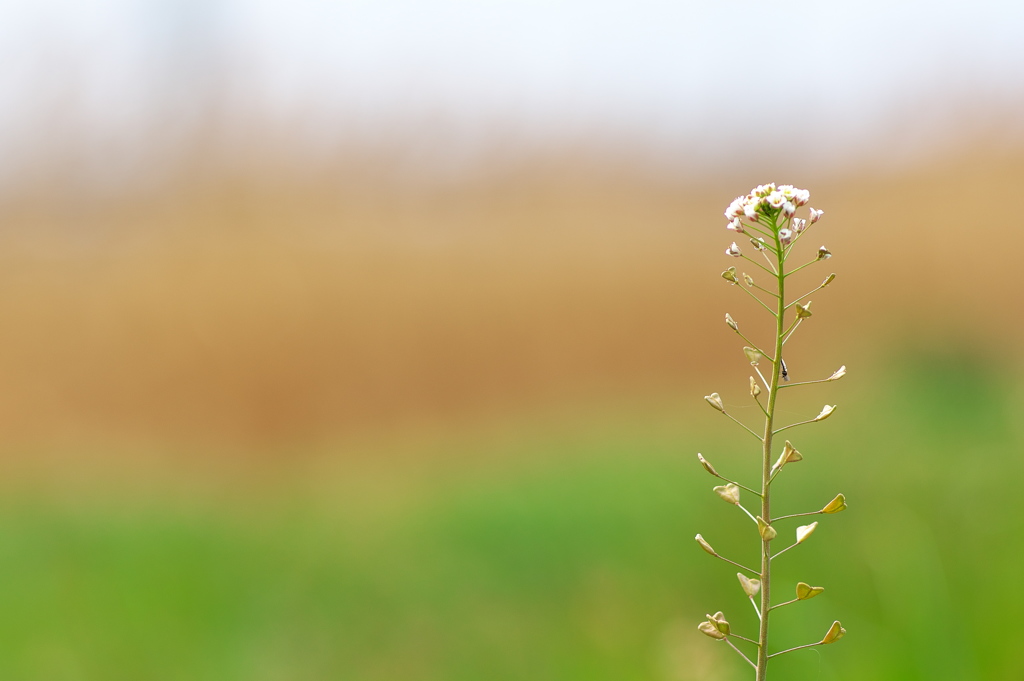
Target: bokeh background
367	340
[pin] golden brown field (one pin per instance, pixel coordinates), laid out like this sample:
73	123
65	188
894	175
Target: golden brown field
260	308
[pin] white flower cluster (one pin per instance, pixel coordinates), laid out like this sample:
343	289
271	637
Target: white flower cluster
766	201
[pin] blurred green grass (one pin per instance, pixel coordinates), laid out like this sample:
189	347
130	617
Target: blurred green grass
570	557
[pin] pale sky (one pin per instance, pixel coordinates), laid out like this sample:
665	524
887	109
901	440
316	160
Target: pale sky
708	80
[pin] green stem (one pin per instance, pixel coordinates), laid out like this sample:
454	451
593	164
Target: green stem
779	605
752	344
793	385
797	515
766	463
760	302
783	652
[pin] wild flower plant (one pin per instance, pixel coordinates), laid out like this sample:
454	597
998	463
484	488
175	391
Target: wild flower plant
767	216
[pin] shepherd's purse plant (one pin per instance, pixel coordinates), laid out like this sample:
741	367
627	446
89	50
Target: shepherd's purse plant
767	216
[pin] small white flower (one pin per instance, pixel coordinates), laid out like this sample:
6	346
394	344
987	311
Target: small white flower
775	200
734	250
799	224
816	215
735	225
801	197
788	209
735	208
758	244
785	236
750	210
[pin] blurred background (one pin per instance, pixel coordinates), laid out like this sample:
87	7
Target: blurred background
367	340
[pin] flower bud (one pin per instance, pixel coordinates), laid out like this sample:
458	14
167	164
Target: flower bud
730	275
816	215
733	250
709	629
749	280
755	389
758	244
806	592
835	632
826	411
799	224
750	585
785	236
736	226
704	545
731	322
729	492
788	209
720	623
804	311
839	373
767	531
824	253
707	465
836	505
789	455
805	531
828	280
754	356
715	401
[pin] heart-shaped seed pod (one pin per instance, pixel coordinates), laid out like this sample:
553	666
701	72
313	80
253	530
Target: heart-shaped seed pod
730	493
715	400
707	465
805	531
704	545
826	411
805	591
835	632
709	629
789	455
718	619
836	505
750	585
767	531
